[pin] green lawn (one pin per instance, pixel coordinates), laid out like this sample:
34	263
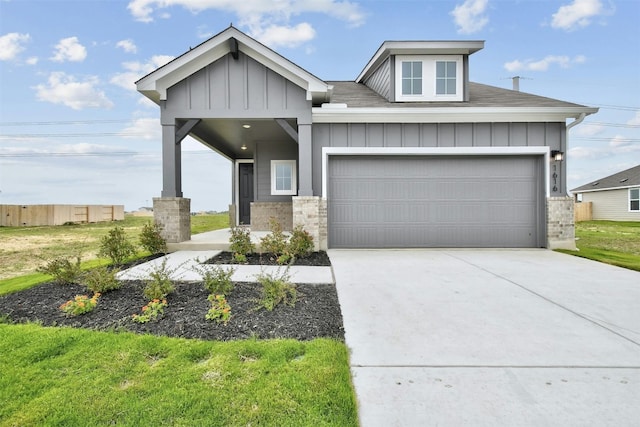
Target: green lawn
73	377
611	242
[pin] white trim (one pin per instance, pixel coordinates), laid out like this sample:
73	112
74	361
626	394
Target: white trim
429	78
629	199
236	184
605	189
459	114
294	173
432	151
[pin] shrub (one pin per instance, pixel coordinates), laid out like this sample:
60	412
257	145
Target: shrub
160	284
240	241
216	280
220	310
300	243
276	288
151	311
116	246
81	304
275	242
63	270
151	238
101	279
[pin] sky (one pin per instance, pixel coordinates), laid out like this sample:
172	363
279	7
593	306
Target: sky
73	129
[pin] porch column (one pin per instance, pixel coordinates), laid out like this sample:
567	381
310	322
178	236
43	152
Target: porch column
305	162
171	163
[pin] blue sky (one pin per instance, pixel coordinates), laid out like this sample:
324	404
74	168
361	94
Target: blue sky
74	130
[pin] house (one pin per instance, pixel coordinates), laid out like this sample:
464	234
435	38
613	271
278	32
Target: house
615	197
409	154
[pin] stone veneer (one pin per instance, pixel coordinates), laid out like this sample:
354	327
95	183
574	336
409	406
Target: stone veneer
232	216
262	212
174	215
560	223
311	213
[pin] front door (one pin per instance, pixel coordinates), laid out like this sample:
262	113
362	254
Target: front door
246	192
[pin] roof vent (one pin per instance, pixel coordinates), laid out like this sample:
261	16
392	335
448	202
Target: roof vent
595	183
624	180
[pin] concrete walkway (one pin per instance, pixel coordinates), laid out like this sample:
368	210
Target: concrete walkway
182	265
490	337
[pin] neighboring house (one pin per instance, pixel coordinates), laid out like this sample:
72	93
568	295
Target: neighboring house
615	197
410	154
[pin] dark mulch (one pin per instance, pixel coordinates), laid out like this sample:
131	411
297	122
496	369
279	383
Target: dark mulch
316	312
317	259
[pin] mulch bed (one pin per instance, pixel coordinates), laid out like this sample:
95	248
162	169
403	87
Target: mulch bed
316	259
316	312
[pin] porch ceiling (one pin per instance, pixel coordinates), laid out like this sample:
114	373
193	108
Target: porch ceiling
227	136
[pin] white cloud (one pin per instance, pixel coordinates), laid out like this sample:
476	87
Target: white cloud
635	121
588	129
69	49
135	70
470	16
143	128
563	61
64	89
32	60
127	45
577	14
584	153
277	35
12	44
619	142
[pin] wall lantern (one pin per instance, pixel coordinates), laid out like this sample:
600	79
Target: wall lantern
557	156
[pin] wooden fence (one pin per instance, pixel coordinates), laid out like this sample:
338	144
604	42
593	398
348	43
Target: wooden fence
33	215
583	211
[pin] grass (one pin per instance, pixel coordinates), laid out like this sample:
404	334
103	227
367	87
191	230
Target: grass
611	242
23	249
73	377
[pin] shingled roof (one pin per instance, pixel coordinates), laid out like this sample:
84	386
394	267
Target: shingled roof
357	95
626	178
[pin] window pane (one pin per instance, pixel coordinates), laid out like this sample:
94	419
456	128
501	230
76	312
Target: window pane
635	205
417	86
440	69
440	86
634	193
406	86
451	86
417	69
451	69
406	69
283	177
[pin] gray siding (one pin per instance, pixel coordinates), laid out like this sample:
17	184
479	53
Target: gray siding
265	152
611	205
436	135
236	89
380	81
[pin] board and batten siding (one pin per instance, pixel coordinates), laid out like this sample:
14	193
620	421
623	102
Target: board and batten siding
434	135
612	205
242	88
380	80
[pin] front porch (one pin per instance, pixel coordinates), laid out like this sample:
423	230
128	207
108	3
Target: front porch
212	240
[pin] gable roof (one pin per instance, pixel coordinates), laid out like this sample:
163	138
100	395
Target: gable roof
155	84
625	179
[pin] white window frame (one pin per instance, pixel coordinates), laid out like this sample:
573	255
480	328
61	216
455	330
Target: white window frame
294	182
412	78
631	200
446	78
429	78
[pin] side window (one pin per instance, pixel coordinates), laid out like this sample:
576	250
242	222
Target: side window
283	177
445	78
412	77
634	199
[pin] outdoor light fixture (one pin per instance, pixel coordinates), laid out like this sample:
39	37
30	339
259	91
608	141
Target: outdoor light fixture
246	126
557	156
243	147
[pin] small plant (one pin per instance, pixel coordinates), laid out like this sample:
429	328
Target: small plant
220	310
159	284
81	304
240	243
115	246
300	243
216	280
284	259
63	270
239	258
101	279
275	242
151	238
276	288
151	311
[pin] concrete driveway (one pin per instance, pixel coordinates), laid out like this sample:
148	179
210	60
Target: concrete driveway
490	337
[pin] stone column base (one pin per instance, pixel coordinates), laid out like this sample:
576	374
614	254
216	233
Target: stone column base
262	212
561	232
232	216
310	212
174	215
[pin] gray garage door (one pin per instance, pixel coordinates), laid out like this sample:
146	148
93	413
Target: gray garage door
436	201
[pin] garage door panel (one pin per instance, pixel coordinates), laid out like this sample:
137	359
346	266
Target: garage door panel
421	201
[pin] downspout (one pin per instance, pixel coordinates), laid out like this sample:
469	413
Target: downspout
576	121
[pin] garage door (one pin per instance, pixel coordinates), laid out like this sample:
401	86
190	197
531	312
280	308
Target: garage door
435	201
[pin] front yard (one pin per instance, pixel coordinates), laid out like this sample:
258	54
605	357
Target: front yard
611	242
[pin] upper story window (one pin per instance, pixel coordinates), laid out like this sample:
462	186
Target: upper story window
420	78
446	77
634	199
412	77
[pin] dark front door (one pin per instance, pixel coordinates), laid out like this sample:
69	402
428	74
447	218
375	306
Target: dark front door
246	192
